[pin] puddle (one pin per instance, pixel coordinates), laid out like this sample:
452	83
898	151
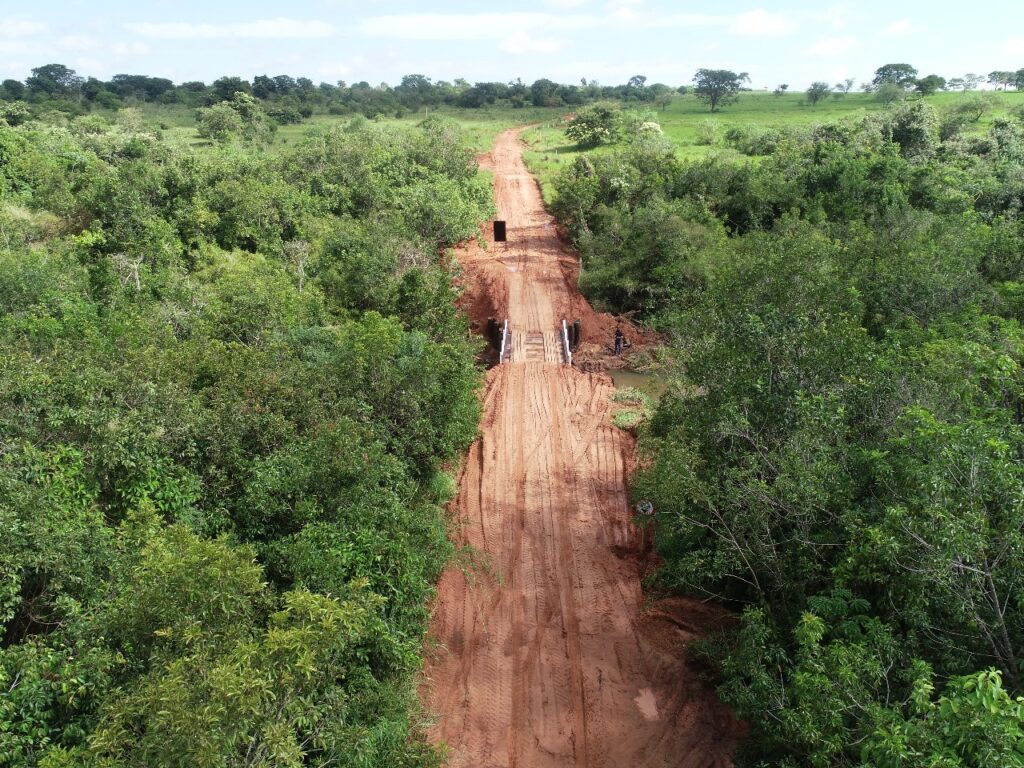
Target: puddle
651	384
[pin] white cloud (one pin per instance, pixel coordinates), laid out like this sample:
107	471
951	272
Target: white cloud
566	3
693	20
832	46
262	28
14	47
1014	46
335	71
837	17
134	48
519	43
901	27
620	14
761	24
838	74
16	28
468	26
77	43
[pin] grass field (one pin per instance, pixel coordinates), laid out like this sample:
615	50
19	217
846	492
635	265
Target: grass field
177	124
683	121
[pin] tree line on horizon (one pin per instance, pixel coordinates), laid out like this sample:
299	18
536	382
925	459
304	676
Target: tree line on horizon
294	98
291	99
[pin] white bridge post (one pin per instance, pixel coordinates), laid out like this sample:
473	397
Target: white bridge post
565	341
504	340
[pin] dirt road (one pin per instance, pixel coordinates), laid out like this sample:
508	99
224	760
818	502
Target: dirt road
548	658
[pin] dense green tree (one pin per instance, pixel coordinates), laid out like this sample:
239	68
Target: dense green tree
595	125
219	123
718	87
890	93
837	455
13	90
817	91
902	75
53	80
929	84
225	88
221	478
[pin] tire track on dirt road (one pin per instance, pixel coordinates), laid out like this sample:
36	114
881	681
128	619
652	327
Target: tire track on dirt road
547	658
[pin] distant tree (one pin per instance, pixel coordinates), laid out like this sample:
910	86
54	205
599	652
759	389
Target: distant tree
1001	78
14	113
637	82
843	88
263	87
718	87
915	127
225	88
929	84
219	123
414	90
285	84
1018	79
682	90
241	116
14	90
92	88
972	81
902	75
139	86
595	125
544	93
818	91
781	89
956	84
973	108
192	93
54	80
888	93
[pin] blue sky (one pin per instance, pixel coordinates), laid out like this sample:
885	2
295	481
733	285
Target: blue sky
606	40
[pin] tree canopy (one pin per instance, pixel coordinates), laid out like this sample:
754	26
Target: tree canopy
718	87
837	456
903	75
230	383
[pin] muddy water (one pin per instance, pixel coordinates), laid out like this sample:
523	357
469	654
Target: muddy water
651	384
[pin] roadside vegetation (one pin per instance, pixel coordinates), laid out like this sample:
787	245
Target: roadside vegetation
842	458
231	384
232	378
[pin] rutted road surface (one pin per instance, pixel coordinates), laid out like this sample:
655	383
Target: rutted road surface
548	658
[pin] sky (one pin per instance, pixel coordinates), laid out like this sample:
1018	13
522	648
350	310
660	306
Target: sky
564	40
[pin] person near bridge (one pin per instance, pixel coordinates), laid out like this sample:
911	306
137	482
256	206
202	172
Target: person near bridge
618	340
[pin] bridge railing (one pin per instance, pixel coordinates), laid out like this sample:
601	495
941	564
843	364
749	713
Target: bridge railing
565	343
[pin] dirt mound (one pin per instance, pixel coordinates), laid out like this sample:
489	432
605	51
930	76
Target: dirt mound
544	654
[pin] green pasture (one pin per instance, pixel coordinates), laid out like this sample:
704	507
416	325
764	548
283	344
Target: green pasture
684	120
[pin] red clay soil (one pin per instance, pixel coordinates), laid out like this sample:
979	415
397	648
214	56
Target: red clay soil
548	657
